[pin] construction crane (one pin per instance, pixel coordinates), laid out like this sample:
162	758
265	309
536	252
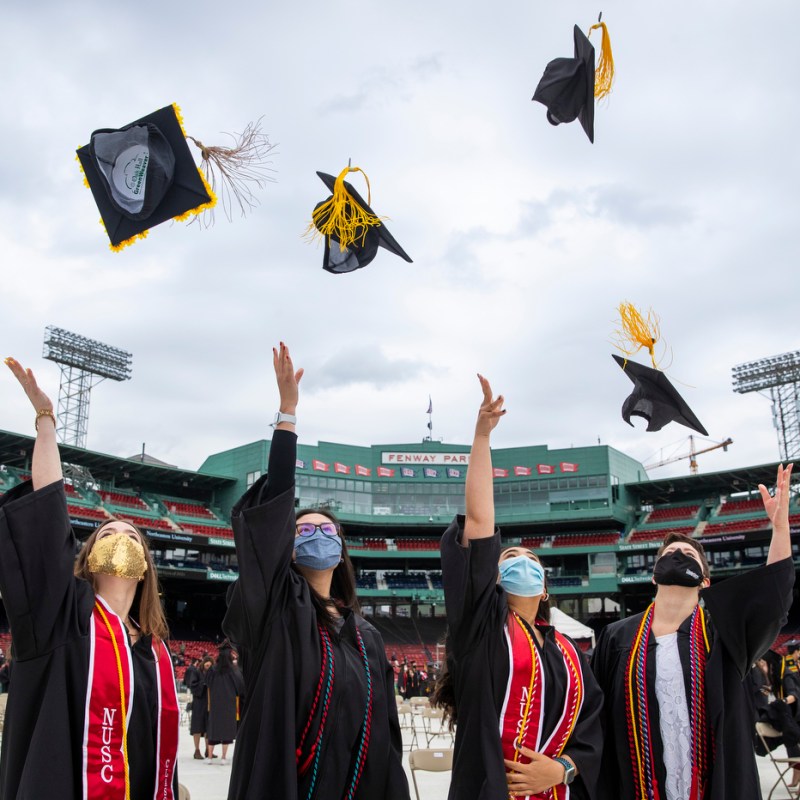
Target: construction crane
691	455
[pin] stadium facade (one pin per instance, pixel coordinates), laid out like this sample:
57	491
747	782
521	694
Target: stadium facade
591	513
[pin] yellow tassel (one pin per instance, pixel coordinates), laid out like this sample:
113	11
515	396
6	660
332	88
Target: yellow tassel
604	74
341	216
637	331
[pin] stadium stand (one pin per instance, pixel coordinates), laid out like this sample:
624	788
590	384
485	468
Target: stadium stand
86	512
671	513
654	534
404	543
532	541
741	507
188	509
737	526
586	539
124	501
208	530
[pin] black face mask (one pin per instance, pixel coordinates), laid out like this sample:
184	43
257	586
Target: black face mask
677	569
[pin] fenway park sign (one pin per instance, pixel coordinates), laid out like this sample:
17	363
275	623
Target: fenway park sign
425	458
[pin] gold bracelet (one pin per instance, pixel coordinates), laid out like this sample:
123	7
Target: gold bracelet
44	412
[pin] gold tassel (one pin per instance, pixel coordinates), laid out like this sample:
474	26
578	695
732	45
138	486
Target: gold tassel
637	331
604	74
341	216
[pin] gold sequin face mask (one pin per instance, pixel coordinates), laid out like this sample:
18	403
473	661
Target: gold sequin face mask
119	555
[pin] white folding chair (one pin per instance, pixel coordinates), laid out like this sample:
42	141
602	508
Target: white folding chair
408	722
434	725
765	731
429	761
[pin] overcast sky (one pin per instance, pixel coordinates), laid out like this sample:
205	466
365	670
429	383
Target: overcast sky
525	237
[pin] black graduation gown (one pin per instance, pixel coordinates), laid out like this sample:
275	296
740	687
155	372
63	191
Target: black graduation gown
272	620
745	613
50	610
478	661
223	689
196	683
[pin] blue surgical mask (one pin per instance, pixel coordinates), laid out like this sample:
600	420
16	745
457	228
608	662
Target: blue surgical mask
318	551
522	576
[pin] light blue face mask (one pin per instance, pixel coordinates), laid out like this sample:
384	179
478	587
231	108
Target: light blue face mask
318	551
522	576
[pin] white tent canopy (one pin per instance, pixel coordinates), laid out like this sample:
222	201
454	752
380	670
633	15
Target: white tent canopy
569	626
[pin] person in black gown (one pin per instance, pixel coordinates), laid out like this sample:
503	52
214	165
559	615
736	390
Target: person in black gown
678	719
93	711
526	704
320	718
225	693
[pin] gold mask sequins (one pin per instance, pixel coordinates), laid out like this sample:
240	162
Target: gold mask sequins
119	555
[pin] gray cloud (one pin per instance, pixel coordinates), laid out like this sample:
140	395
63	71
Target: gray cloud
364	364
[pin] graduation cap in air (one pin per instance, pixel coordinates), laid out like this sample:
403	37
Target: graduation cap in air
569	86
144	174
654	398
352	231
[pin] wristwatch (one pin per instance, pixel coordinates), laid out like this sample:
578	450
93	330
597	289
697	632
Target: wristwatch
569	770
281	417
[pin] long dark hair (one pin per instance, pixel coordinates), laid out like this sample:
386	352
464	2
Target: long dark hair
444	694
343	582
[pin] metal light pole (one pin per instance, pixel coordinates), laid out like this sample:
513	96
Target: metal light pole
781	375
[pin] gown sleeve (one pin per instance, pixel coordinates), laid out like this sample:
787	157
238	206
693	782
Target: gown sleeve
469	577
37	556
585	746
749	610
397	782
263	529
603	664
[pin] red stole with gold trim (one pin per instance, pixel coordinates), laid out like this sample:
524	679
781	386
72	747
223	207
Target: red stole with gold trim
522	716
109	700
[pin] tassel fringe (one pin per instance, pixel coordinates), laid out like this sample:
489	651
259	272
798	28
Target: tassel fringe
637	331
604	74
341	217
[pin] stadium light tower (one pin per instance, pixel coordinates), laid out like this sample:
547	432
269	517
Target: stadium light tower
84	363
781	375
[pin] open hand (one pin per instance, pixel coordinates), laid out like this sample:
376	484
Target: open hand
39	400
490	410
288	380
533	778
777	505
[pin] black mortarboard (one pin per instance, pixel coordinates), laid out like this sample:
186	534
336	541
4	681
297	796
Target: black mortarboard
567	86
142	175
655	399
792	645
366	231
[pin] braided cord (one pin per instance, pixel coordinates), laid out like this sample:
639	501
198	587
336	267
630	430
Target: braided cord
316	749
366	726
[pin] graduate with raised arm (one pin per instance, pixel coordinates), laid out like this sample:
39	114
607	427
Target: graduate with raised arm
525	700
93	711
320	718
677	718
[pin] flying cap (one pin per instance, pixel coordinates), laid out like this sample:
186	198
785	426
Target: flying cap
143	174
655	399
353	232
569	86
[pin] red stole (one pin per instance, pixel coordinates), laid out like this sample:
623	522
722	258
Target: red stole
522	716
109	700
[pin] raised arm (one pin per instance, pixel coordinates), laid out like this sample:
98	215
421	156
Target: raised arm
777	508
46	466
479	501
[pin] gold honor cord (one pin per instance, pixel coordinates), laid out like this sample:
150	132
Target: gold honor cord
122	699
